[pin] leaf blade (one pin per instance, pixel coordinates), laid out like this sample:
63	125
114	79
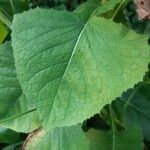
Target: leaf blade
73	60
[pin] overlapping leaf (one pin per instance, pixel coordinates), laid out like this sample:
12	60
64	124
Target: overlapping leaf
9	86
15	113
21	117
133	108
73	68
109	140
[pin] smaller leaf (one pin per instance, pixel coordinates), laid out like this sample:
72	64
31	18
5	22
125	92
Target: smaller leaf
21	117
133	108
10	89
65	72
123	140
11	7
15	111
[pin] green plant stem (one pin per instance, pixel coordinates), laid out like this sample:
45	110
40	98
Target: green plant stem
118	123
104	1
5	19
130	97
123	3
104	115
113	126
118	9
12	6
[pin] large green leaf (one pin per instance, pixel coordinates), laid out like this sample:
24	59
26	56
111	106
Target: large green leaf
72	64
108	140
65	138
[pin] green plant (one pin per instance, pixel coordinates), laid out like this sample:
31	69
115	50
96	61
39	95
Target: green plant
61	67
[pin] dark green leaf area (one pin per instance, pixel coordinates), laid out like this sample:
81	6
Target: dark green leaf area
11	7
96	122
115	140
8	136
133	108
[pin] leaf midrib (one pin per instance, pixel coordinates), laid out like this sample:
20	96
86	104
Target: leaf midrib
74	49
